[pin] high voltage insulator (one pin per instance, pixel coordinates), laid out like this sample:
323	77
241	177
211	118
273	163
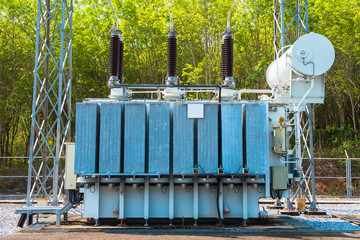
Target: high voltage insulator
227	58
171	58
121	61
114	55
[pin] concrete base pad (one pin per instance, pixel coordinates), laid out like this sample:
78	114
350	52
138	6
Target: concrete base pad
315	213
274	207
289	212
273	227
77	224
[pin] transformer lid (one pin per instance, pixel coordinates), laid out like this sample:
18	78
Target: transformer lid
312	54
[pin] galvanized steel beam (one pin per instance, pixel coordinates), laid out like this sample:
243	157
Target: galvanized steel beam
51	105
290	22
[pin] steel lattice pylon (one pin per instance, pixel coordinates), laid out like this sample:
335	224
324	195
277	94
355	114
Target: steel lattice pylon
51	106
290	22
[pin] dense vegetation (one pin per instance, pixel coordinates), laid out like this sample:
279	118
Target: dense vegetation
199	25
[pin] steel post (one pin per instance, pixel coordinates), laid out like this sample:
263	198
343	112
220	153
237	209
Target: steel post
311	159
348	176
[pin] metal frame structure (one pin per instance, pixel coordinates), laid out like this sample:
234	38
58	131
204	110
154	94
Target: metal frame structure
290	22
51	106
303	136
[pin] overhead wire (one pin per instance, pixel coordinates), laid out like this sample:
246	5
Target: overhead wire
171	14
115	16
229	15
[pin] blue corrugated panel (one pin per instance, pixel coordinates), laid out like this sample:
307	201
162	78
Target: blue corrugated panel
231	128
86	138
159	137
110	138
257	139
183	161
208	139
134	146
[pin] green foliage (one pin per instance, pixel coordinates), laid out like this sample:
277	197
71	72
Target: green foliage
200	25
340	22
16	65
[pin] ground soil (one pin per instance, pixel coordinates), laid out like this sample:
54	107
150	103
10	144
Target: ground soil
13	185
331	187
188	236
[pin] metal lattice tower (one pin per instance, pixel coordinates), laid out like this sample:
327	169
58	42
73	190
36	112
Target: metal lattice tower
51	106
290	22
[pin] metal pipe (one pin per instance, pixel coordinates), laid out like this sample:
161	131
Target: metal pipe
313	202
218	203
306	94
115	85
240	92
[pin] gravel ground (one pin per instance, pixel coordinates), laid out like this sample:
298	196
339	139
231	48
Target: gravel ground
331	209
321	223
340	209
334	224
9	219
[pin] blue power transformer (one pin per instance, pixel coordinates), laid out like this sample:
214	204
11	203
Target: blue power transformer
135	138
169	163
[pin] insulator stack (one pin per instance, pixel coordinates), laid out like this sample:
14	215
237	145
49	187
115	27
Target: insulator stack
114	55
171	56
121	61
227	57
223	65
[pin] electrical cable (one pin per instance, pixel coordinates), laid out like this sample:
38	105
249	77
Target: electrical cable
115	16
228	19
218	204
75	197
241	166
197	166
171	14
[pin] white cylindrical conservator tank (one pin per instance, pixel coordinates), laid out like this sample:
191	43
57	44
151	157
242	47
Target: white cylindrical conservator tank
311	55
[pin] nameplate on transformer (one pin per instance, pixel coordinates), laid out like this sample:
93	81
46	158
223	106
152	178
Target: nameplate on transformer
195	110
